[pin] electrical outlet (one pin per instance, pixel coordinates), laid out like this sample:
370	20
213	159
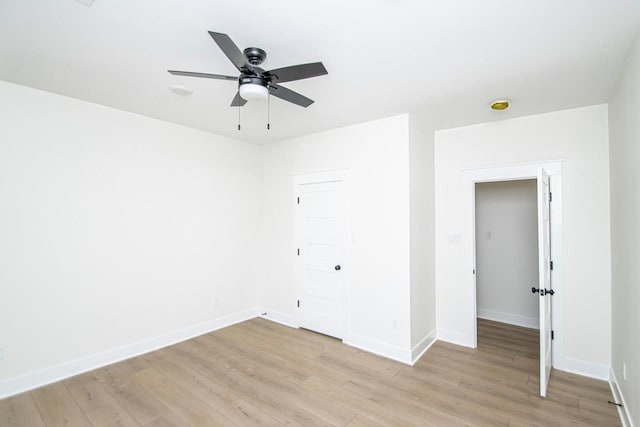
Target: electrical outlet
394	325
624	371
214	302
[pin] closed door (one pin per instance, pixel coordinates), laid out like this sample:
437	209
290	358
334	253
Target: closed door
544	277
320	231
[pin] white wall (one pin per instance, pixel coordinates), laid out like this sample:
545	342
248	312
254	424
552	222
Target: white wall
624	135
422	214
377	155
580	138
115	229
507	251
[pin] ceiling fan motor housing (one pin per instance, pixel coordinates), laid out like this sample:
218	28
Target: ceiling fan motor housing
255	55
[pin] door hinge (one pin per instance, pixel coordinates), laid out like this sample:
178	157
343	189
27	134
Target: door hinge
298	251
298	200
298	303
550	197
551	265
552	335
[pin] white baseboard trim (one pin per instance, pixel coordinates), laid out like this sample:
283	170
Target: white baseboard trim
22	383
421	348
584	368
455	338
278	317
618	397
380	348
510	318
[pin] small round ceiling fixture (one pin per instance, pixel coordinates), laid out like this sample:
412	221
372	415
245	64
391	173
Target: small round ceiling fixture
500	105
181	90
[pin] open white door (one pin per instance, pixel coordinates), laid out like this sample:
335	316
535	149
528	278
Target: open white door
320	229
545	291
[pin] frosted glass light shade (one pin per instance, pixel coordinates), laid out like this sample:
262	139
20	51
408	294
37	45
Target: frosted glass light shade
250	92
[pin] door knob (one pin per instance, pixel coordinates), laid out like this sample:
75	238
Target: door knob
535	290
337	267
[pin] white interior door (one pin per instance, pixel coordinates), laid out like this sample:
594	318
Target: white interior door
320	224
545	291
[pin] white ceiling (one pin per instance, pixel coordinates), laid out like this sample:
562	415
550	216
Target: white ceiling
446	58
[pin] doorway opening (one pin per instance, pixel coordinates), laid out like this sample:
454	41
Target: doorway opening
508	311
507	252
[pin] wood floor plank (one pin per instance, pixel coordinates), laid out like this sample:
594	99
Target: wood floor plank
357	366
361	404
139	363
261	389
363	421
98	403
169	420
214	394
268	397
253	392
58	407
134	398
233	344
88	391
408	408
326	409
437	399
244	414
605	412
303	348
111	415
20	410
180	400
307	365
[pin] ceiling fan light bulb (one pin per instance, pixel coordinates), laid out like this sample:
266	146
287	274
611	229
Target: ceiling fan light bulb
252	92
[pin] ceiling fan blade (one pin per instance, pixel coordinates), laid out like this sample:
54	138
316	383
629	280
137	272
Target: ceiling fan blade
230	49
204	75
238	101
289	95
297	72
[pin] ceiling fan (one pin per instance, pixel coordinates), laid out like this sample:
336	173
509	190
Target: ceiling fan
255	82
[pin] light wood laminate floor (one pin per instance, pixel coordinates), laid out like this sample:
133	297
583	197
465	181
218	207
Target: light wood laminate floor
262	373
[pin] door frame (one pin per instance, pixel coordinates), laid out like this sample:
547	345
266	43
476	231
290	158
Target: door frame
515	172
344	176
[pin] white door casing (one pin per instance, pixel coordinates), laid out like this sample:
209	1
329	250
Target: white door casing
320	264
545	291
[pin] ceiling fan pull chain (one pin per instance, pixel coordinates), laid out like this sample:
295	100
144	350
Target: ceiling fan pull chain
268	110
238	117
